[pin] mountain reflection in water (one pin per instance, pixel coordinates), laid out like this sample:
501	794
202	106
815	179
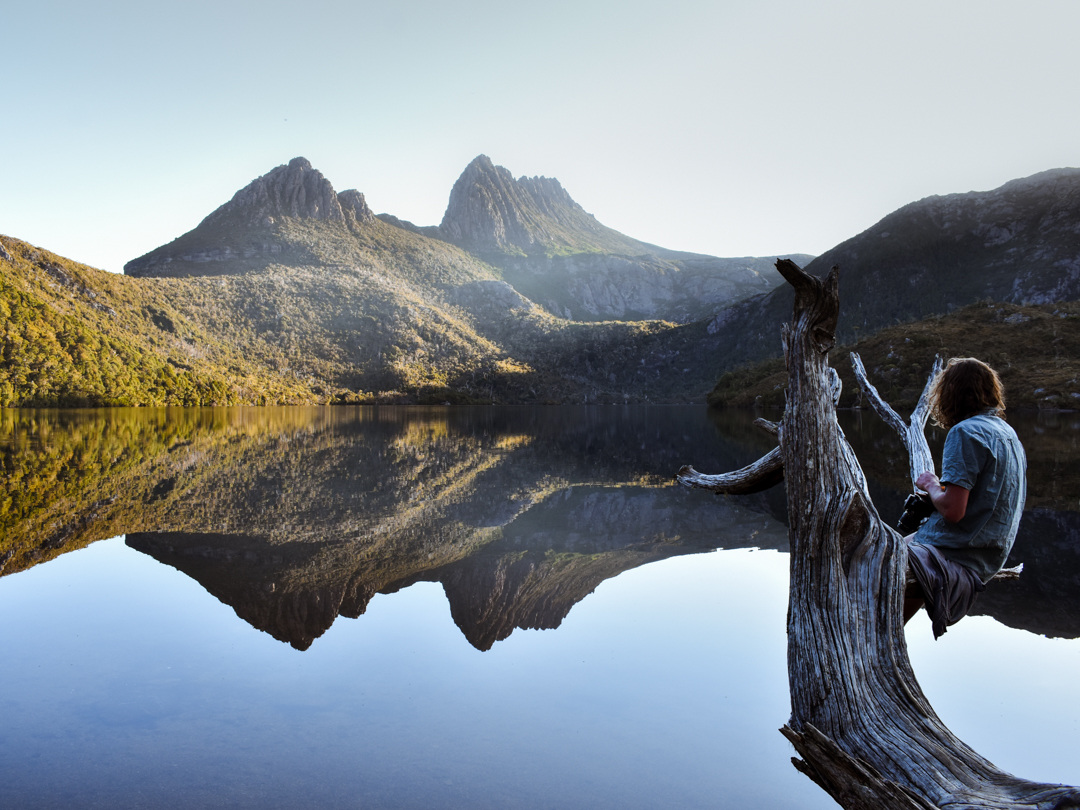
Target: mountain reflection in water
294	516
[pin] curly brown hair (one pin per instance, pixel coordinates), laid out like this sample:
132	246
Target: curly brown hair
964	388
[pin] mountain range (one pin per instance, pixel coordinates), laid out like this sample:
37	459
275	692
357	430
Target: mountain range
528	232
292	292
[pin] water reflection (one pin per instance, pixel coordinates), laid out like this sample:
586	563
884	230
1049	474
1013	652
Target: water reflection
295	516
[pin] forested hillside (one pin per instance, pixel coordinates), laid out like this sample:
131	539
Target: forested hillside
71	335
74	336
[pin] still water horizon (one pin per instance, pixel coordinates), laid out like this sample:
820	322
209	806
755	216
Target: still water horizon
460	608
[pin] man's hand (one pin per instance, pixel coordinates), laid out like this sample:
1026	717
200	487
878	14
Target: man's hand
928	482
949	499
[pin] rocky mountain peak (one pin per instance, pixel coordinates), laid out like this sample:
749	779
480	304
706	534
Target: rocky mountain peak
294	190
548	194
243	229
485	207
489	209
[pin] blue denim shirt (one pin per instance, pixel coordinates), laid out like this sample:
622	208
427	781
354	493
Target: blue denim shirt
984	456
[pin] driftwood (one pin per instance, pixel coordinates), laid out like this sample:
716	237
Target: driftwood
859	721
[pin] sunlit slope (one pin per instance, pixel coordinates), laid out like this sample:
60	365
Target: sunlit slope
325	333
73	335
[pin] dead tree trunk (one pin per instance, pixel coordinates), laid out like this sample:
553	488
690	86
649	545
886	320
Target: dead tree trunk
861	724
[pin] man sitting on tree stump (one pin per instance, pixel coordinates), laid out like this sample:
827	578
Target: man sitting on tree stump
978	501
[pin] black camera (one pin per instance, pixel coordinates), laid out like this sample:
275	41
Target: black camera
917	508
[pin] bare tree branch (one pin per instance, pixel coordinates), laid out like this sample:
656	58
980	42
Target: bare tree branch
769	427
766	472
912	434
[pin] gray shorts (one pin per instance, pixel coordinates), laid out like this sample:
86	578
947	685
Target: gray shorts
948	587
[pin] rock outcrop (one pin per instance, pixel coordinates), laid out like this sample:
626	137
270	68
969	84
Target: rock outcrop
247	227
491	211
354	205
294	190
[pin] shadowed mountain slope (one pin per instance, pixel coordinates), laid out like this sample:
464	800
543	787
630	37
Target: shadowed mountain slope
1019	243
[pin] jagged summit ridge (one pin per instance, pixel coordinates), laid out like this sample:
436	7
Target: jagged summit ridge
293	190
297	190
245	228
490	210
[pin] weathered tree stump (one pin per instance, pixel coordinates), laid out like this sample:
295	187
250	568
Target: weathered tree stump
859	721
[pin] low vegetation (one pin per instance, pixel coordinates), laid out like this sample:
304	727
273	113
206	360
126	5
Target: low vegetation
353	329
1035	349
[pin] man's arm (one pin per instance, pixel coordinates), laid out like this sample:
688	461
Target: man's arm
950	500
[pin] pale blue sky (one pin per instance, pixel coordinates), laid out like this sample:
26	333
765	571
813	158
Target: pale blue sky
731	128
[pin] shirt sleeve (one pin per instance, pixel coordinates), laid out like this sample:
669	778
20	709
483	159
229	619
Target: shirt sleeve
963	458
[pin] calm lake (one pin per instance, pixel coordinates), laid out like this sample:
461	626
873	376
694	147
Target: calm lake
459	608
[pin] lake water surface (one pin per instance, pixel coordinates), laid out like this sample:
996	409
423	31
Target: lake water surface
459	608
